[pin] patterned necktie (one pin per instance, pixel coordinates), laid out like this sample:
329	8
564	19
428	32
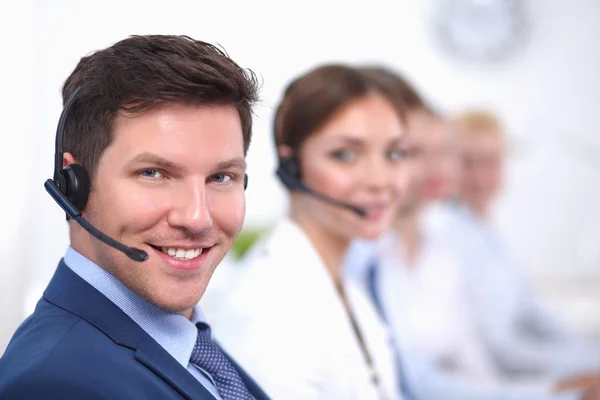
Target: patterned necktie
208	356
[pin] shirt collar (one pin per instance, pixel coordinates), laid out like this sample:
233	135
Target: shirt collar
175	333
360	257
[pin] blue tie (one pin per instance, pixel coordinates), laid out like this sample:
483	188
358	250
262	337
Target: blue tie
208	356
373	290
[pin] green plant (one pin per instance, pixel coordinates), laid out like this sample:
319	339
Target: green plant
245	240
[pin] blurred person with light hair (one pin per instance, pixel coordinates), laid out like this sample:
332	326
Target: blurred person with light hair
525	340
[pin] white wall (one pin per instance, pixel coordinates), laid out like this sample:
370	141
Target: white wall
16	163
548	92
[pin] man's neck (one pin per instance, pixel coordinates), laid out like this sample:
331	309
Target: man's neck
409	230
80	241
481	214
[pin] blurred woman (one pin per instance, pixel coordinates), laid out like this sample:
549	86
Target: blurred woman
300	329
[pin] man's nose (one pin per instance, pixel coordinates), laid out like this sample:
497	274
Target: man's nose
191	209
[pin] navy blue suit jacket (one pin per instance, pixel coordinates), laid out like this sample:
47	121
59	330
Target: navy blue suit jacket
79	345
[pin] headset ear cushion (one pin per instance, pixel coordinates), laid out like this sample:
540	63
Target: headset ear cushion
291	167
289	172
78	185
245	181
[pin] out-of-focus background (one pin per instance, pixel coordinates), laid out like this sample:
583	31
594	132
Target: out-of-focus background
534	62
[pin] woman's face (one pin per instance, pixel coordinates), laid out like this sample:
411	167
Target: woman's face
356	158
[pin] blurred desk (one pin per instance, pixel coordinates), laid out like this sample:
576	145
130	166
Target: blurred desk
575	299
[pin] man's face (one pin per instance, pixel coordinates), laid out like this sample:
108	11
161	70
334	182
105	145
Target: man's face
419	125
171	184
433	160
441	163
482	169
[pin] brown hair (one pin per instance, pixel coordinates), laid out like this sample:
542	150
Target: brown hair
140	72
405	94
310	100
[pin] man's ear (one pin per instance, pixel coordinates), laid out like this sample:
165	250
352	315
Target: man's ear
68	159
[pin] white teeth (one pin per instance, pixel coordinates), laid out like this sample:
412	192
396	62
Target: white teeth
182	254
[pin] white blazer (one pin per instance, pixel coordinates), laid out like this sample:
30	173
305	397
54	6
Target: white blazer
284	322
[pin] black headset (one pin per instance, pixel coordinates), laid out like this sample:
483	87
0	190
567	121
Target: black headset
73	180
290	175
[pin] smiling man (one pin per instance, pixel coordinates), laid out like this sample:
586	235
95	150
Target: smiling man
160	126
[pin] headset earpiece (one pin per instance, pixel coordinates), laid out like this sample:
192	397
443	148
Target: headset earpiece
289	172
70	188
77	185
290	175
245	181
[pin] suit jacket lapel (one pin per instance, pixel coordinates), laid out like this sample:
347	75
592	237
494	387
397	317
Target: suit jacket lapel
154	357
69	292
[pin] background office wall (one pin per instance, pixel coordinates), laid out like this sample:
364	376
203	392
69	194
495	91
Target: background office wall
548	91
16	161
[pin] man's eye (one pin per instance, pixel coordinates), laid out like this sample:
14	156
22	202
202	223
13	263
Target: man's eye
221	178
396	154
151	173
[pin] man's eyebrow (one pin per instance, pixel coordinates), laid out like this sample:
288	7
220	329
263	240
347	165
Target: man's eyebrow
147	157
400	140
237	162
155	159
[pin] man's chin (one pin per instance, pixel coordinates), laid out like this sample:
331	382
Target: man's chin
178	302
184	308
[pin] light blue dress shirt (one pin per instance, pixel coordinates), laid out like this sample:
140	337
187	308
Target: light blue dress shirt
425	379
174	332
525	338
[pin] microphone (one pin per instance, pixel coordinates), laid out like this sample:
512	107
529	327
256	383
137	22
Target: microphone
288	174
358	211
74	213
